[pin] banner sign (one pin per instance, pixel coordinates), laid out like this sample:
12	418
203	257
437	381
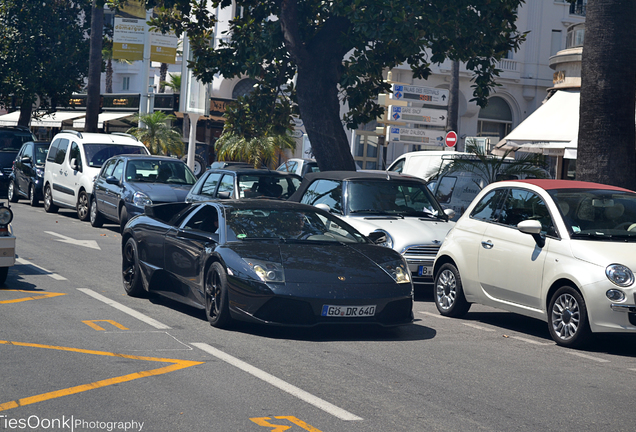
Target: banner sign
163	47
128	39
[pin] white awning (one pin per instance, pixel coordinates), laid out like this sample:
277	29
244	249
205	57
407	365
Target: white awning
10	119
552	129
49	120
102	118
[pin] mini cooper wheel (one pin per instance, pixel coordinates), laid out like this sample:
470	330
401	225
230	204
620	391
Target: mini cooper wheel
12	192
216	302
131	273
449	294
568	322
33	200
49	207
82	206
97	220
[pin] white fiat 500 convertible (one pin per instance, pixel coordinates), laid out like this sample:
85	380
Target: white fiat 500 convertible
558	250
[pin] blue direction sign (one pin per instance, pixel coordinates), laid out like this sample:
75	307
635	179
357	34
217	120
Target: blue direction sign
414	115
426	95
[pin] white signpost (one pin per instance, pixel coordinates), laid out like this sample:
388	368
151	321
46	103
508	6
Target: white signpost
426	95
414	115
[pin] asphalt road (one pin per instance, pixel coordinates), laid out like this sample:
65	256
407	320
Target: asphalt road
77	354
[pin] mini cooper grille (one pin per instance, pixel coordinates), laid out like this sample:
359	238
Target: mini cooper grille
417	251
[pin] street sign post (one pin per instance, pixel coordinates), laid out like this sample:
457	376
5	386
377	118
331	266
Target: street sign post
451	139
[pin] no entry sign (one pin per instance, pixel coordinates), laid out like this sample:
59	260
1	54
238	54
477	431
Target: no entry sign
451	139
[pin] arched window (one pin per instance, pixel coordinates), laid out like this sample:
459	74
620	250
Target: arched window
495	120
243	87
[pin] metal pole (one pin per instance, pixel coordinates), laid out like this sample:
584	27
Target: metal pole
145	68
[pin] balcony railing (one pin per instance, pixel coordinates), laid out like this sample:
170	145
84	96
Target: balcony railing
578	8
507	65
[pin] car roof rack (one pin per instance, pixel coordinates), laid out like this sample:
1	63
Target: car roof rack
125	134
74	132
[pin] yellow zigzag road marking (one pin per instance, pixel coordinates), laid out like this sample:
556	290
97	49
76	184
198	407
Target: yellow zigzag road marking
177	364
41	296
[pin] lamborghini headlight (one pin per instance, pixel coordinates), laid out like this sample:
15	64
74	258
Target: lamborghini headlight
267	271
398	270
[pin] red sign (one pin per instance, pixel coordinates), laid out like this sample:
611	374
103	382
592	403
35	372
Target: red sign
451	139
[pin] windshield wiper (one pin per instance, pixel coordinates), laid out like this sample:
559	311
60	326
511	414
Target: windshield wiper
378	213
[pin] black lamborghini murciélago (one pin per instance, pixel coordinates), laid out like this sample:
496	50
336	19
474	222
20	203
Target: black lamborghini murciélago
270	262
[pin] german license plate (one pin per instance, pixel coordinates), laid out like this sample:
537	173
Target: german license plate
348	311
424	271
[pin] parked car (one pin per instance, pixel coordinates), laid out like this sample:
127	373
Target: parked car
27	176
128	183
74	160
558	250
265	261
299	166
396	210
7	242
425	164
11	140
238	182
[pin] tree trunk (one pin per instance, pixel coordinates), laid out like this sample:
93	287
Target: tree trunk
109	76
163	72
94	68
26	108
607	139
324	127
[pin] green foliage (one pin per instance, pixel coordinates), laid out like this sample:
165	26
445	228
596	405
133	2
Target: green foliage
157	135
362	38
259	151
174	83
494	168
43	50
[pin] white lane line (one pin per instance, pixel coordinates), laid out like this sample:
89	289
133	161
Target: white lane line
45	271
478	327
125	309
589	357
434	315
531	341
277	382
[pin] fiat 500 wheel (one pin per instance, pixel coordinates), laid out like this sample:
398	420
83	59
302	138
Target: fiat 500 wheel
568	321
449	293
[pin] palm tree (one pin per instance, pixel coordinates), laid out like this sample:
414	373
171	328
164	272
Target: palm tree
494	168
259	151
174	83
107	55
157	135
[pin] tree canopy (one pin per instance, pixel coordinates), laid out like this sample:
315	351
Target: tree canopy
43	52
317	55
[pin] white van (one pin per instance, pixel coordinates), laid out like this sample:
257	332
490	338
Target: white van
424	164
74	160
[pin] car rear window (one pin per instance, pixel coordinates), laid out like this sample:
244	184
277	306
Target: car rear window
97	154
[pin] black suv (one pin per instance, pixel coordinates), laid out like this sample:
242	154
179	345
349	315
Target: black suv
11	140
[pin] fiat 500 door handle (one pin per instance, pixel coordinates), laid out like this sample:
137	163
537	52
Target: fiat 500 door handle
487	244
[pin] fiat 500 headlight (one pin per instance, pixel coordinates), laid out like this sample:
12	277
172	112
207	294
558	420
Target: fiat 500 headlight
398	270
267	271
140	199
620	275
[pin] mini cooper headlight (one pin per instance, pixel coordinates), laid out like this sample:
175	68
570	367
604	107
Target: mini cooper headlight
620	275
140	199
398	270
6	216
267	271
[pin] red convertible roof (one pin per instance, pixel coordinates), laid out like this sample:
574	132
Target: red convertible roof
549	184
